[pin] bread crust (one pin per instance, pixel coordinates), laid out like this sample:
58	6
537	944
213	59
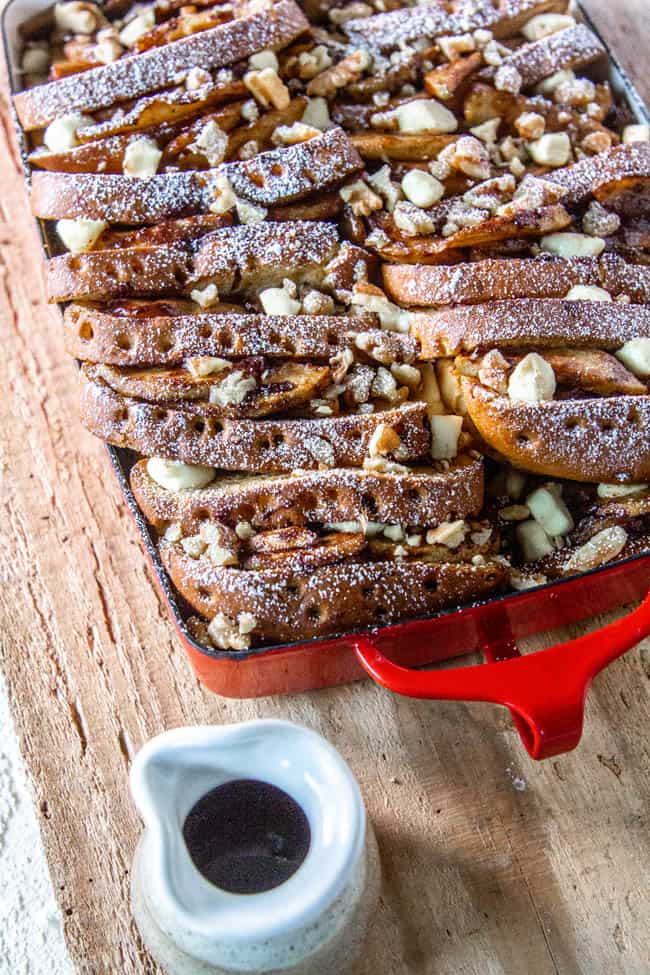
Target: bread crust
574	47
589	176
387	31
274	177
274	446
497	279
531	322
264	252
333	599
94	335
595	440
275	26
423	497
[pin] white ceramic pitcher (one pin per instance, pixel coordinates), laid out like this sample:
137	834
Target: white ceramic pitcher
316	921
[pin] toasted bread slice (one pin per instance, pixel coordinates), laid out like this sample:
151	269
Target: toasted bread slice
274	26
388	31
424	496
575	47
149	333
596	440
502	278
528	322
281	175
333	599
280	446
403	148
282	388
264	252
595	174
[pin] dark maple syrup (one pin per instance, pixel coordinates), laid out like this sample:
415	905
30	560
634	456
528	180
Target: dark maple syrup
247	836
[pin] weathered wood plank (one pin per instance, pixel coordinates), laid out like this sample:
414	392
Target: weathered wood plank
481	875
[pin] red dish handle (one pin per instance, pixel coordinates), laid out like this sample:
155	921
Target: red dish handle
545	691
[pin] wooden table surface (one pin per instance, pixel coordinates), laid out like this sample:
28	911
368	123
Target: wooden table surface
492	863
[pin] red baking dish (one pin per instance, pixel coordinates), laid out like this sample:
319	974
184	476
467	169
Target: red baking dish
545	691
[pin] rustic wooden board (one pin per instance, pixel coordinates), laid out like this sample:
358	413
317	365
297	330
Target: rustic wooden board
493	864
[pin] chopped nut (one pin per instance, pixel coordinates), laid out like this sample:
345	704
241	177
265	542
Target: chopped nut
549	510
599	222
451	534
530	125
249	212
340	15
532	380
384	441
61	134
636	133
317	303
249	149
596	142
340	363
422	189
267	88
384	385
635	356
291	135
552	149
587	292
383	466
205	296
137	27
311	63
320	407
339	75
205	365
372	299
454	47
317	114
603	547
244	530
225	633
390	192
445	433
568	245
468	155
76	18
174	475
194	546
173	532
531	194
211	143
574	91
413	221
80	235
142	157
620	490
233	389
197	78
493	371
420	115
321	450
534	541
394	532
544	24
548	85
360	198
508	78
277	301
249	111
224	196
263	59
406	375
487	131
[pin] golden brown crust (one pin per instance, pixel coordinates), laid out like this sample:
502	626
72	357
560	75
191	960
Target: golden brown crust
575	47
249	445
230	257
274	26
424	496
159	338
596	440
537	323
270	178
501	278
332	599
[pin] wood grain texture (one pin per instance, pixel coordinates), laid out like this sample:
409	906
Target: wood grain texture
493	865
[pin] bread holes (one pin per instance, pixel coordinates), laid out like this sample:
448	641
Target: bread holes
204	594
414	494
124	342
159	415
165	343
332	338
86	331
257	178
136	266
293	588
523	438
225	338
121	415
205	332
275	339
355	434
634	417
278	439
202	514
381	613
308	501
606	425
315	612
331	494
573	423
368	503
290	346
198	426
277	169
213	427
368	592
431	584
